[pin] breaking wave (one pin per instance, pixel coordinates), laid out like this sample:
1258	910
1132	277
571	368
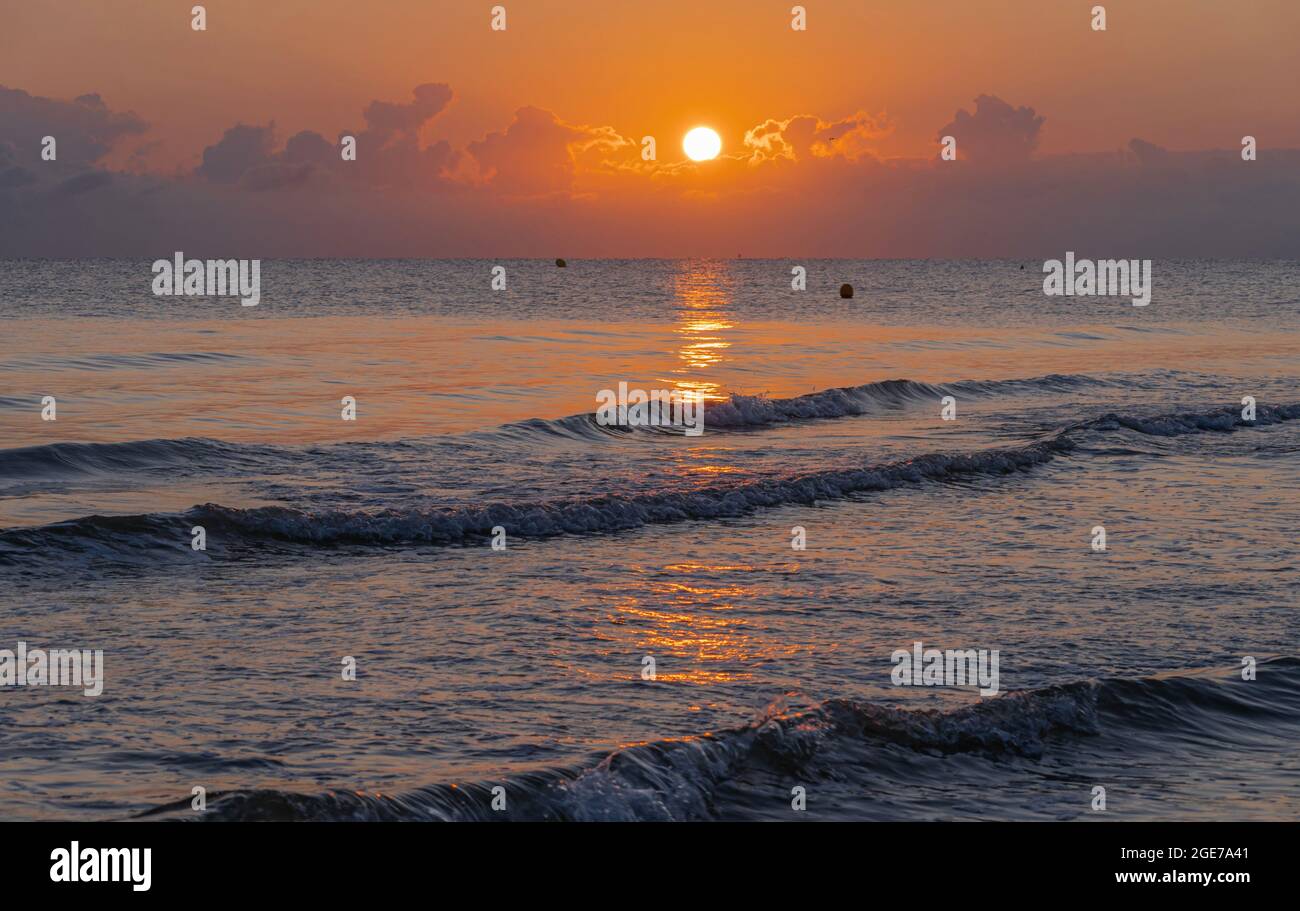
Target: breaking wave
441	525
687	779
871	398
64	460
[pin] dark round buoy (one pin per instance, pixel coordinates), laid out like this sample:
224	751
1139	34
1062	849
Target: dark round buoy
561	263
846	290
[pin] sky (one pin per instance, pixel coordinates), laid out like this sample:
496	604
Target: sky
528	141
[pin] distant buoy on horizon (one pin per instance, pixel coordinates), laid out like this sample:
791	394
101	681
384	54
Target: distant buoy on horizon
561	263
846	290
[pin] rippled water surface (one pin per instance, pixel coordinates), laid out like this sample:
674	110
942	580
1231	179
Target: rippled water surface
523	667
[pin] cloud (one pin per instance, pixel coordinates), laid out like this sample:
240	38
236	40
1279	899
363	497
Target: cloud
140	155
84	129
805	136
240	149
276	176
995	133
386	118
309	147
538	153
11	173
802	185
389	153
402	164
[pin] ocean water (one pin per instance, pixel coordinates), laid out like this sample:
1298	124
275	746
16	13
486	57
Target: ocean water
522	668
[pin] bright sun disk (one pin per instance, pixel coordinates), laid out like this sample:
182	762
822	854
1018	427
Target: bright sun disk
702	144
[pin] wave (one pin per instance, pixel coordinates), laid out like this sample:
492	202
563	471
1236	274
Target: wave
56	460
606	513
67	460
695	778
118	361
871	398
752	412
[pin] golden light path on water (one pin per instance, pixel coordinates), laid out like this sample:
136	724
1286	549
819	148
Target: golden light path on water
687	620
689	623
702	294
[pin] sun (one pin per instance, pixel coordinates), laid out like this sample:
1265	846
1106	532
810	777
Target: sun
702	144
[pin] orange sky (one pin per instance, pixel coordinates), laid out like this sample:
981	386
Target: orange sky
518	140
1182	73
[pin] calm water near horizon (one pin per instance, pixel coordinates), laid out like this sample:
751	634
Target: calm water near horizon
523	667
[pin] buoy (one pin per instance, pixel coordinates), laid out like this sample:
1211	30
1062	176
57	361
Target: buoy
846	290
561	263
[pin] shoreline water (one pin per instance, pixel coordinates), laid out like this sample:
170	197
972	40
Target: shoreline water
326	539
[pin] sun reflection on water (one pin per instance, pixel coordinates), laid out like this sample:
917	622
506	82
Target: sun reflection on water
694	624
703	295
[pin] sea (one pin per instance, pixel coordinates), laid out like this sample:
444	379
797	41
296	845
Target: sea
474	601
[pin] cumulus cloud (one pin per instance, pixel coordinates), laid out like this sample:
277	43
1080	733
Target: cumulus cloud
538	153
806	136
276	175
84	128
389	153
802	185
240	149
404	164
140	155
13	174
385	118
995	133
309	147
